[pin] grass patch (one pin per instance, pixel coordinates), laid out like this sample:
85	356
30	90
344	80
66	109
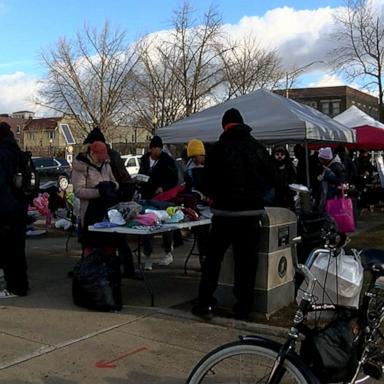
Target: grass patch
373	238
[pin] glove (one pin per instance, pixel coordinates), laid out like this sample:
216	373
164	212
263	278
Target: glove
107	189
320	177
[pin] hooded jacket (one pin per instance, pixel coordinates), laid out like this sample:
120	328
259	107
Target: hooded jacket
238	171
12	205
85	178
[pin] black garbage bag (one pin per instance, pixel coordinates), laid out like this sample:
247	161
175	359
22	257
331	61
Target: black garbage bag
97	283
330	352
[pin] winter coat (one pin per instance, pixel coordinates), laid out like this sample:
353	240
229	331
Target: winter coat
365	171
122	176
238	171
334	175
194	177
163	174
285	175
85	178
12	202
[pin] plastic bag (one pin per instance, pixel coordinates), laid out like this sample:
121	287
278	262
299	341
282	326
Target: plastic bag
339	279
341	210
97	283
330	352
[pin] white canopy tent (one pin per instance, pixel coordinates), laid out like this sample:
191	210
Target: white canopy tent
355	117
273	119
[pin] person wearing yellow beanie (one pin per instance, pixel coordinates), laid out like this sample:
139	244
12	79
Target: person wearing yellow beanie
194	178
194	171
195	148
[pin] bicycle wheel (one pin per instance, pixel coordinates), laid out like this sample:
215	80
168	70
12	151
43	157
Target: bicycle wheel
246	362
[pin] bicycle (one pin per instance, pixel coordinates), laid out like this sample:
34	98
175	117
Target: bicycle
255	359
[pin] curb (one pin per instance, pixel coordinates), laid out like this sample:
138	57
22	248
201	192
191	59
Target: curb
253	328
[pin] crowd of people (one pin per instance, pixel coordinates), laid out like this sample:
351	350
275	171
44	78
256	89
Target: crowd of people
236	177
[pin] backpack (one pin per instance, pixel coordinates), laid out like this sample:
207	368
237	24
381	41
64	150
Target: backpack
26	178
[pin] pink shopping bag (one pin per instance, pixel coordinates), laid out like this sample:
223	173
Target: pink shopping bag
341	209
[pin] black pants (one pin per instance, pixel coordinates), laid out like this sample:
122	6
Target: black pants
242	233
13	259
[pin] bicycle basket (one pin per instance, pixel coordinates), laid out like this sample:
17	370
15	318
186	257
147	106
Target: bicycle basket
330	352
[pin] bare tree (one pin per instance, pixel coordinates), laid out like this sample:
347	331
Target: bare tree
197	67
89	77
360	52
158	98
247	66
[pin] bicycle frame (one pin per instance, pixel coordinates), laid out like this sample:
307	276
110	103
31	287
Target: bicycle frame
369	322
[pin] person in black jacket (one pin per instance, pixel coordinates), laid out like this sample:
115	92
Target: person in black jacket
163	175
332	177
239	172
285	175
13	215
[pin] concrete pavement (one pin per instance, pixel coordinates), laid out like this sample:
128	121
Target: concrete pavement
46	339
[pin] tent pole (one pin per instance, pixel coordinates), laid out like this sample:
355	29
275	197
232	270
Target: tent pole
307	164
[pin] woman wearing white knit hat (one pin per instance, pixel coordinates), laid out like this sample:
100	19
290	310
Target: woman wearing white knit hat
332	177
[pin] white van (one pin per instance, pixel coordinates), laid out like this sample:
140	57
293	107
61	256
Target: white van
132	163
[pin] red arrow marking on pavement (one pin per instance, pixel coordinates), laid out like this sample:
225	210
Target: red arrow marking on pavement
109	364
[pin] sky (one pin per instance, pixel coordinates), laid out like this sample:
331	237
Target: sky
298	29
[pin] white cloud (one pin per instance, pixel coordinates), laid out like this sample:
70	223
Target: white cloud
327	81
300	36
17	92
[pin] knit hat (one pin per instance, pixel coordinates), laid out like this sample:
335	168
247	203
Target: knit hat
195	148
5	130
95	135
325	153
100	150
231	116
156	142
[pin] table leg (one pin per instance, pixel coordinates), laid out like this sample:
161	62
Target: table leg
148	285
190	253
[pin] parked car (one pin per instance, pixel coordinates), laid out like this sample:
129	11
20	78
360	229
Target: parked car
49	168
132	163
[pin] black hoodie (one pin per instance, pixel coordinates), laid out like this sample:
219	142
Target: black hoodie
12	205
238	171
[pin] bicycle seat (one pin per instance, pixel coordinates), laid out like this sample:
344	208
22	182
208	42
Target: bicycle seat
373	261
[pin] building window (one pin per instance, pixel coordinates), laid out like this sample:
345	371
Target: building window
335	108
51	135
330	107
324	107
18	130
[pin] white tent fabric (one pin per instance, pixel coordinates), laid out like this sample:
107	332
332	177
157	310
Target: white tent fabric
273	119
355	117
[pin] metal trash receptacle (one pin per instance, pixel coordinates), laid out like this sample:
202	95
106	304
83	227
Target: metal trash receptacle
274	285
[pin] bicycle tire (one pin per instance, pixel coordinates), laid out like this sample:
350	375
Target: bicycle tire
259	347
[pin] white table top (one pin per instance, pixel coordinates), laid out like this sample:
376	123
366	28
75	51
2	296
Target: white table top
149	230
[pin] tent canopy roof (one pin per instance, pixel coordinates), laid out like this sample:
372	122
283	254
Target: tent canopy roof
273	119
355	117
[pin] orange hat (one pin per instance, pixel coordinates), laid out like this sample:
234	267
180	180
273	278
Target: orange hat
100	150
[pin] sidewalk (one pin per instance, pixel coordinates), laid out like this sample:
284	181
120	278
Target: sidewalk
46	339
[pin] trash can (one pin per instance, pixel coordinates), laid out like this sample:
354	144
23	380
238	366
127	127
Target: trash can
274	285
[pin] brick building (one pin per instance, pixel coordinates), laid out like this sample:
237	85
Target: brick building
334	100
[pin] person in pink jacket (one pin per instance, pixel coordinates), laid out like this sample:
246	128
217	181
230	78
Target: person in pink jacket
96	187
